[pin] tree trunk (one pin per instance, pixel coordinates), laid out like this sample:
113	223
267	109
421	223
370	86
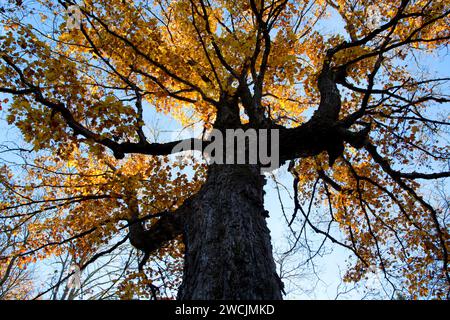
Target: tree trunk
228	250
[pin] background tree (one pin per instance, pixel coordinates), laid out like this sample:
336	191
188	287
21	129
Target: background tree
16	282
360	129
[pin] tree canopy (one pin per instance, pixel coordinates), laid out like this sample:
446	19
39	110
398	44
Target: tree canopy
363	127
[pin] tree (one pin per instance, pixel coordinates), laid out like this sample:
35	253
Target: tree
16	282
361	130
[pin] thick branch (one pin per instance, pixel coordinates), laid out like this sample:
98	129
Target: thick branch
119	149
168	227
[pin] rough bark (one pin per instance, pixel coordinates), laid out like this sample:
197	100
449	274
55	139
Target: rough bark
228	248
